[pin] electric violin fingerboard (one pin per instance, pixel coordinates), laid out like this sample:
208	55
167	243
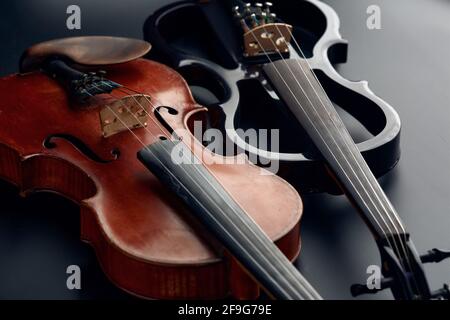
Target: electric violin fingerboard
298	87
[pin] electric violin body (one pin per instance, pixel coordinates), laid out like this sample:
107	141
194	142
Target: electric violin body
208	52
77	133
274	70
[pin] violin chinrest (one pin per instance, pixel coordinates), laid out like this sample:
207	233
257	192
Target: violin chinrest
87	50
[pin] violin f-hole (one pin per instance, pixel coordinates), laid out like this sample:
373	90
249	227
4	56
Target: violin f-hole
160	118
49	143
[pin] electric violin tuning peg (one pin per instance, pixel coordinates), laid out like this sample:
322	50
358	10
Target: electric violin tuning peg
273	17
441	294
237	12
248	9
238	16
435	255
360	289
259	7
254	20
268	6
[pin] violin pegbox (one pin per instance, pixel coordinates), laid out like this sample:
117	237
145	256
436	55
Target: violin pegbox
263	34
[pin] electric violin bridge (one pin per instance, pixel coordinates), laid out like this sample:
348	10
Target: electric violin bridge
127	113
263	34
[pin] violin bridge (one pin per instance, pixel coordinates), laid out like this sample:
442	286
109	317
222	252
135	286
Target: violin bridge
127	113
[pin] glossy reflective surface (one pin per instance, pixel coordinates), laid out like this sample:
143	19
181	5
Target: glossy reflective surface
405	63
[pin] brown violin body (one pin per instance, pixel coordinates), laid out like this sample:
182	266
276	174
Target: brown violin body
144	237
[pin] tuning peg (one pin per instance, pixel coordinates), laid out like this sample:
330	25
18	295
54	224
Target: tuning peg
101	74
260	14
273	17
247	9
268	6
359	289
264	18
254	20
84	79
237	12
238	16
258	8
443	293
435	255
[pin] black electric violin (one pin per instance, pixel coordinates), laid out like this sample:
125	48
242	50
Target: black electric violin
269	70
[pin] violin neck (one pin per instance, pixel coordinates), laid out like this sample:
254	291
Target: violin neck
298	87
226	220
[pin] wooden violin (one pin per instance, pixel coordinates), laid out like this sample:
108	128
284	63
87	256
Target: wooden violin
175	231
258	62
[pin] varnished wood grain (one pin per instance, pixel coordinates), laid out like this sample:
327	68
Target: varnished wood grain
144	237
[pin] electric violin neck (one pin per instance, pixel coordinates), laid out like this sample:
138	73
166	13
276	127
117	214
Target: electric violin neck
298	87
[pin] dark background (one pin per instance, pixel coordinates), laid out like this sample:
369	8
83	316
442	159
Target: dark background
406	63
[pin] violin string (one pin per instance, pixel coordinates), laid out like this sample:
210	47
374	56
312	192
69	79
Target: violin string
320	135
184	187
389	204
347	143
162	129
399	221
305	286
290	270
393	211
395	247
